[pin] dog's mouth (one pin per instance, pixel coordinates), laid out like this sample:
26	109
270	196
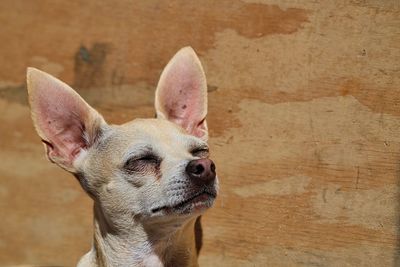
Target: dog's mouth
201	200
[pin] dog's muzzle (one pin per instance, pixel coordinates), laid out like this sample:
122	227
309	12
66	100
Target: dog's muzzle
202	175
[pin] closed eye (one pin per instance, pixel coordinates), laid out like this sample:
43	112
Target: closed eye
148	158
200	152
142	163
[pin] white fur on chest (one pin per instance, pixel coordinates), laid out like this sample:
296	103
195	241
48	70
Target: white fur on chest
141	258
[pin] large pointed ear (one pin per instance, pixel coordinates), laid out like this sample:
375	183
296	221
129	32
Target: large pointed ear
64	121
181	95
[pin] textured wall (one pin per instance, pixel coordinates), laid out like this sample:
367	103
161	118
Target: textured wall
304	117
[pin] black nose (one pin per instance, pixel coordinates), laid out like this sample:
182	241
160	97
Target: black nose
201	171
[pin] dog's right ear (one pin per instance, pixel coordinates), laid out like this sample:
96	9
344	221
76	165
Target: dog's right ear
64	121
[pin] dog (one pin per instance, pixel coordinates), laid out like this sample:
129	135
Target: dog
150	179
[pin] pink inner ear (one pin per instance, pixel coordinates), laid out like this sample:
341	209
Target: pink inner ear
181	101
60	117
182	93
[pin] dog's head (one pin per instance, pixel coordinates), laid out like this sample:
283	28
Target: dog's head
148	168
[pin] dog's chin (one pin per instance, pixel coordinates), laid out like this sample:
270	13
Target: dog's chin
193	205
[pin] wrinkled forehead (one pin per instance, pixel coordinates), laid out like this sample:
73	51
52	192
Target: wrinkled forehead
159	136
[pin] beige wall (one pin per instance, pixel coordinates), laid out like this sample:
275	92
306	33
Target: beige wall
304	117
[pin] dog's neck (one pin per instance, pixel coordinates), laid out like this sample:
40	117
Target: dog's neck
128	242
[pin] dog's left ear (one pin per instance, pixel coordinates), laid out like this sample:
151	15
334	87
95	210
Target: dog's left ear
181	95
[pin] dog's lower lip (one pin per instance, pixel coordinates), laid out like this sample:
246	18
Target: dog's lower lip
199	197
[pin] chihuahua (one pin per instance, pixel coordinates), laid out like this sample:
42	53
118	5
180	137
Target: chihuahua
150	179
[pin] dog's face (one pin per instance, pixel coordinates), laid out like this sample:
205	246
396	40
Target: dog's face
148	168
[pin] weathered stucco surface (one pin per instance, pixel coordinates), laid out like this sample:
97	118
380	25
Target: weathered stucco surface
304	117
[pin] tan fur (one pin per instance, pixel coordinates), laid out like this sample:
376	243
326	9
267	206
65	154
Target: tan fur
137	221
